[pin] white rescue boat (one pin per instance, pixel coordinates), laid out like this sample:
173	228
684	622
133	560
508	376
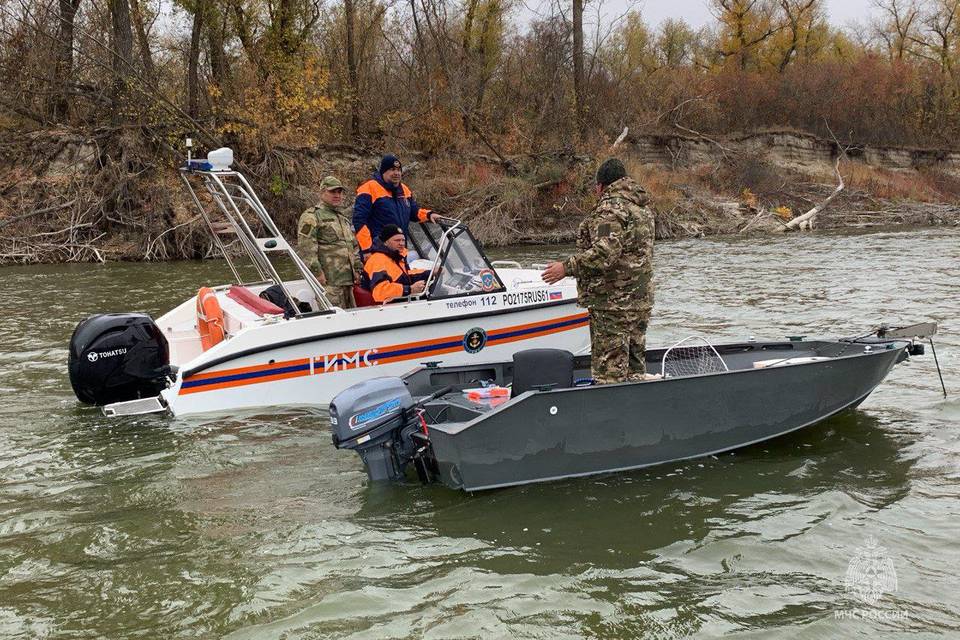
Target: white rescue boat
472	311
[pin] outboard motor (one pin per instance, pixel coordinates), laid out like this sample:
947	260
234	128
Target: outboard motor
375	419
117	357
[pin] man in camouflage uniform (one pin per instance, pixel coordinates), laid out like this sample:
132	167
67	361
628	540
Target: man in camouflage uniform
613	267
326	242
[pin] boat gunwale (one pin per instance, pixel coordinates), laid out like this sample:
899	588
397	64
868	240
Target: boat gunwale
514	402
184	374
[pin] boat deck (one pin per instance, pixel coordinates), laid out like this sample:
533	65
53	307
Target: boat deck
452	411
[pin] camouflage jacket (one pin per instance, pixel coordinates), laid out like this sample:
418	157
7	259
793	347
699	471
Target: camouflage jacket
614	260
326	242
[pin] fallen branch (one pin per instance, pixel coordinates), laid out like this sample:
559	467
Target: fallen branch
36	213
807	220
148	254
763	214
620	138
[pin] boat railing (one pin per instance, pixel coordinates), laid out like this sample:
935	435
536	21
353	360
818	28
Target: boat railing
445	240
230	190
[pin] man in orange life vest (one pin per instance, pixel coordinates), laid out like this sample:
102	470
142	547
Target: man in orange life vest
384	200
386	273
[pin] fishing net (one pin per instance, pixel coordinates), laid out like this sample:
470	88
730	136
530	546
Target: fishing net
690	357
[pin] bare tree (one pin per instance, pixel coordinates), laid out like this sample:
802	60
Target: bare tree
121	46
941	34
63	71
193	61
578	84
143	42
216	35
352	76
897	26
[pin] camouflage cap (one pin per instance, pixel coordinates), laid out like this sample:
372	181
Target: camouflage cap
330	183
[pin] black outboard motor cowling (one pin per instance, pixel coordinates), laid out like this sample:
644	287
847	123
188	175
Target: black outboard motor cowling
373	419
116	357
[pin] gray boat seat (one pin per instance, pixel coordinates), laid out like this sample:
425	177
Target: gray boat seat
539	368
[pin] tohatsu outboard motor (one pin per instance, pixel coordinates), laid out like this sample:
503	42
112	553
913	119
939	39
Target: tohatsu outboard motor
116	357
379	420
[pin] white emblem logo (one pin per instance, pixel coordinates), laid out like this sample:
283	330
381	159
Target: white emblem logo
93	356
870	573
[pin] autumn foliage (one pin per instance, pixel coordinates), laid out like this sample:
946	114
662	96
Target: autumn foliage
445	75
112	87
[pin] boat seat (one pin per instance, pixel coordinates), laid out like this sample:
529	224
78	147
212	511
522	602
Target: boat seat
363	297
537	368
252	302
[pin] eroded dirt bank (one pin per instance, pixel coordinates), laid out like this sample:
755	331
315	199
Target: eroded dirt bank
85	196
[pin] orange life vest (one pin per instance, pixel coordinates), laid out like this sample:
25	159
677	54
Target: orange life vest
209	318
387	274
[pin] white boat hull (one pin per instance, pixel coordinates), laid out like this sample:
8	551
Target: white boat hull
307	361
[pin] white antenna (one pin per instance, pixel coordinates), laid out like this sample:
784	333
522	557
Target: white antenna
189	147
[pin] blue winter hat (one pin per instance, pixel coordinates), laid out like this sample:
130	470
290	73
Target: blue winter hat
388	162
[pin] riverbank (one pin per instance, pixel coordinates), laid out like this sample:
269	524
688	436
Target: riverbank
75	196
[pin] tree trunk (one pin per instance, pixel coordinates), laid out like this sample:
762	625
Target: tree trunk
193	63
482	55
350	12
468	61
218	62
121	44
220	72
578	87
241	24
60	108
283	22
143	43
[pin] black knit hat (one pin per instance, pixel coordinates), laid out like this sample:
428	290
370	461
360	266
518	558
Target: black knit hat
388	162
610	171
388	231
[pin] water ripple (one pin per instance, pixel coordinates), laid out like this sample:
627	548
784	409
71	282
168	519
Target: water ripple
255	527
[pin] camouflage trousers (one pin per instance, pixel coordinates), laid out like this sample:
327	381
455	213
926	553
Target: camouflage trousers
341	296
618	343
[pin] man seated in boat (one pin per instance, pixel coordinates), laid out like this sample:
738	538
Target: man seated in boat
386	273
383	200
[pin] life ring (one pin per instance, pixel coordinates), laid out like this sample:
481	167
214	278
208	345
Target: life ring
209	318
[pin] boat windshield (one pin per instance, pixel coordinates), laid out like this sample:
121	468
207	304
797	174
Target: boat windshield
425	239
463	267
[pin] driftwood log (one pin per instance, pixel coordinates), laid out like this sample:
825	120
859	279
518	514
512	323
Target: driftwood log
768	221
807	220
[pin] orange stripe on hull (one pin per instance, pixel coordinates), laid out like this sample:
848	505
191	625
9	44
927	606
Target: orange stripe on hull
531	330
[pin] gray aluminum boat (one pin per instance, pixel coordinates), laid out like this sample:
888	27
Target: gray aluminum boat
556	424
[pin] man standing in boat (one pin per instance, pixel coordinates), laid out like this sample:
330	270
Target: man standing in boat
325	241
383	200
386	272
614	270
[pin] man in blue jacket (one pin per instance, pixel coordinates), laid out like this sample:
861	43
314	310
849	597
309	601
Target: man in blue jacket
384	200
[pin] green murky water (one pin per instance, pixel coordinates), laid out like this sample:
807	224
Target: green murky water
255	527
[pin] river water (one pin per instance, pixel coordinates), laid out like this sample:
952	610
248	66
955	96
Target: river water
253	526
